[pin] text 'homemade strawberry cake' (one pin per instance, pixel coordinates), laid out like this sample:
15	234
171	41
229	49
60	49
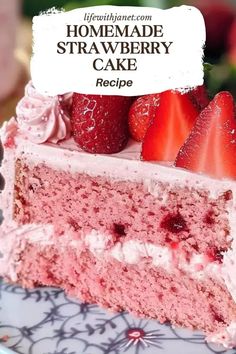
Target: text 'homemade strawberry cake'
147	226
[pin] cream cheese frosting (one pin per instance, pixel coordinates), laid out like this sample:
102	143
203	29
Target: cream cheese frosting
133	252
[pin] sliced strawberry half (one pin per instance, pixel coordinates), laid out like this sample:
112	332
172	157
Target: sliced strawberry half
141	114
100	123
171	126
211	146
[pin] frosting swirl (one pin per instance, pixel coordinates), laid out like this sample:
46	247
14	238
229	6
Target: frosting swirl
43	118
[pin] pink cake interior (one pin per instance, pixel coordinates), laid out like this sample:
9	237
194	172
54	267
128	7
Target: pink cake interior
180	215
181	218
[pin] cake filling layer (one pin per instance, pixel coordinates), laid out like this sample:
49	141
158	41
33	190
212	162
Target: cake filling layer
198	266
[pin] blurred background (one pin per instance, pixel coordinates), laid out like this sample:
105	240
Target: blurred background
16	40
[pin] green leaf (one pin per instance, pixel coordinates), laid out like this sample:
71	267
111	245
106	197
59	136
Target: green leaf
207	67
86	3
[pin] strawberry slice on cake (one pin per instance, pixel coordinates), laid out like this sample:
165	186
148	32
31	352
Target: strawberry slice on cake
211	146
171	126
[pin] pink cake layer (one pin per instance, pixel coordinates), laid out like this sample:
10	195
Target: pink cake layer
143	289
125	209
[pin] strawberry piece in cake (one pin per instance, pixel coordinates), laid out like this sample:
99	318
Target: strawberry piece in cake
154	240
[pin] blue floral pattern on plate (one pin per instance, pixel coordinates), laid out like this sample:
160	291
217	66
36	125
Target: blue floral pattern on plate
46	321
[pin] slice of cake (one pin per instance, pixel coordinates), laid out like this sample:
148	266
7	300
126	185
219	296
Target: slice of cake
146	237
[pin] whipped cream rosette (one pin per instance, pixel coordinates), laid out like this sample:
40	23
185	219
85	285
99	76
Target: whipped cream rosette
43	118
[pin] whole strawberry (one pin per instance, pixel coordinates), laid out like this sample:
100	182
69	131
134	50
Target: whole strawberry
100	123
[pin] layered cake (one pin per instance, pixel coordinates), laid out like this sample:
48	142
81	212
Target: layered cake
148	227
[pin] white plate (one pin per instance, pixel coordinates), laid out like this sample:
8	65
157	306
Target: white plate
46	321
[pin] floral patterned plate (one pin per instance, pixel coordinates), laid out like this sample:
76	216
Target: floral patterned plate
46	321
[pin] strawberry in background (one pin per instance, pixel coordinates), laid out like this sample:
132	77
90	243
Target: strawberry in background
219	16
232	44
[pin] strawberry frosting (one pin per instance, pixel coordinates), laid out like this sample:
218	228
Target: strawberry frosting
43	118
